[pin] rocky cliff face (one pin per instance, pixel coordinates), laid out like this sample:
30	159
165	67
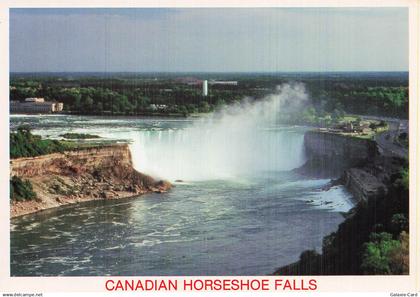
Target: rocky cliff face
363	185
104	172
355	161
351	150
330	154
72	162
372	177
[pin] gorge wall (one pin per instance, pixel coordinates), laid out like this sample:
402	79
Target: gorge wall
351	150
103	172
355	161
375	181
329	154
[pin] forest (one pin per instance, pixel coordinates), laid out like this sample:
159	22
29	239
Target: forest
331	94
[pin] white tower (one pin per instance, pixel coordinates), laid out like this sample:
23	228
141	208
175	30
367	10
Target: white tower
205	88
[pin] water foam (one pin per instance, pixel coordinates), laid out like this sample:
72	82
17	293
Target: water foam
241	138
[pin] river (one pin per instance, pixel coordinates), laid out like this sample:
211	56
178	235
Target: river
236	208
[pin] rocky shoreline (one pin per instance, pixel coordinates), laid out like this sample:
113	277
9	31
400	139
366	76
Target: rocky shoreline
353	162
372	177
103	172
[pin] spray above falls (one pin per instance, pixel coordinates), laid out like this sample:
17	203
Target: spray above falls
241	139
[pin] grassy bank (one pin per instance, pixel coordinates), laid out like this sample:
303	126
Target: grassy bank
25	144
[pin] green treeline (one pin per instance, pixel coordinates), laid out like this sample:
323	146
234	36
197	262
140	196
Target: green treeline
24	144
330	94
79	136
382	100
106	97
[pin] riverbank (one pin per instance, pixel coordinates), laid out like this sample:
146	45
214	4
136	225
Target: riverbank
196	218
379	183
94	173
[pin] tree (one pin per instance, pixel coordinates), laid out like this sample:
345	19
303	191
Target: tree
399	223
141	102
183	110
191	108
204	107
21	189
309	115
99	107
377	254
338	112
220	103
88	104
399	258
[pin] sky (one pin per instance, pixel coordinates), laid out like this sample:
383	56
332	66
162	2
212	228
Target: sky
208	39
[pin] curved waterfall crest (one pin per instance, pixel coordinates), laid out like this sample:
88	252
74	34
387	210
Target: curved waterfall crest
243	138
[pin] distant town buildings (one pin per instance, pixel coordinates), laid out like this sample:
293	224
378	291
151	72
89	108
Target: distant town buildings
35	105
205	88
158	107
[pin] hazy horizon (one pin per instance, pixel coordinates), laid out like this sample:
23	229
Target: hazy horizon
251	72
207	72
208	40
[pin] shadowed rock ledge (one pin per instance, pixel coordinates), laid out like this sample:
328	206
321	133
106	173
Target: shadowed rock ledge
329	154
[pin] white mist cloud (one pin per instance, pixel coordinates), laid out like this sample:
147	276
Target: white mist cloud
242	139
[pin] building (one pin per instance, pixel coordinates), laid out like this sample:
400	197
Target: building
34	99
224	82
59	106
158	107
35	105
205	88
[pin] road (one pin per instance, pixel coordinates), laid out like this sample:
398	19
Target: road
386	140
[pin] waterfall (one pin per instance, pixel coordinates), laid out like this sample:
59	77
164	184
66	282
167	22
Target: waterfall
243	138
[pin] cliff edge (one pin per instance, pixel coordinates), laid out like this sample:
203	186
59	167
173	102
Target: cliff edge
329	154
379	184
354	162
103	172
